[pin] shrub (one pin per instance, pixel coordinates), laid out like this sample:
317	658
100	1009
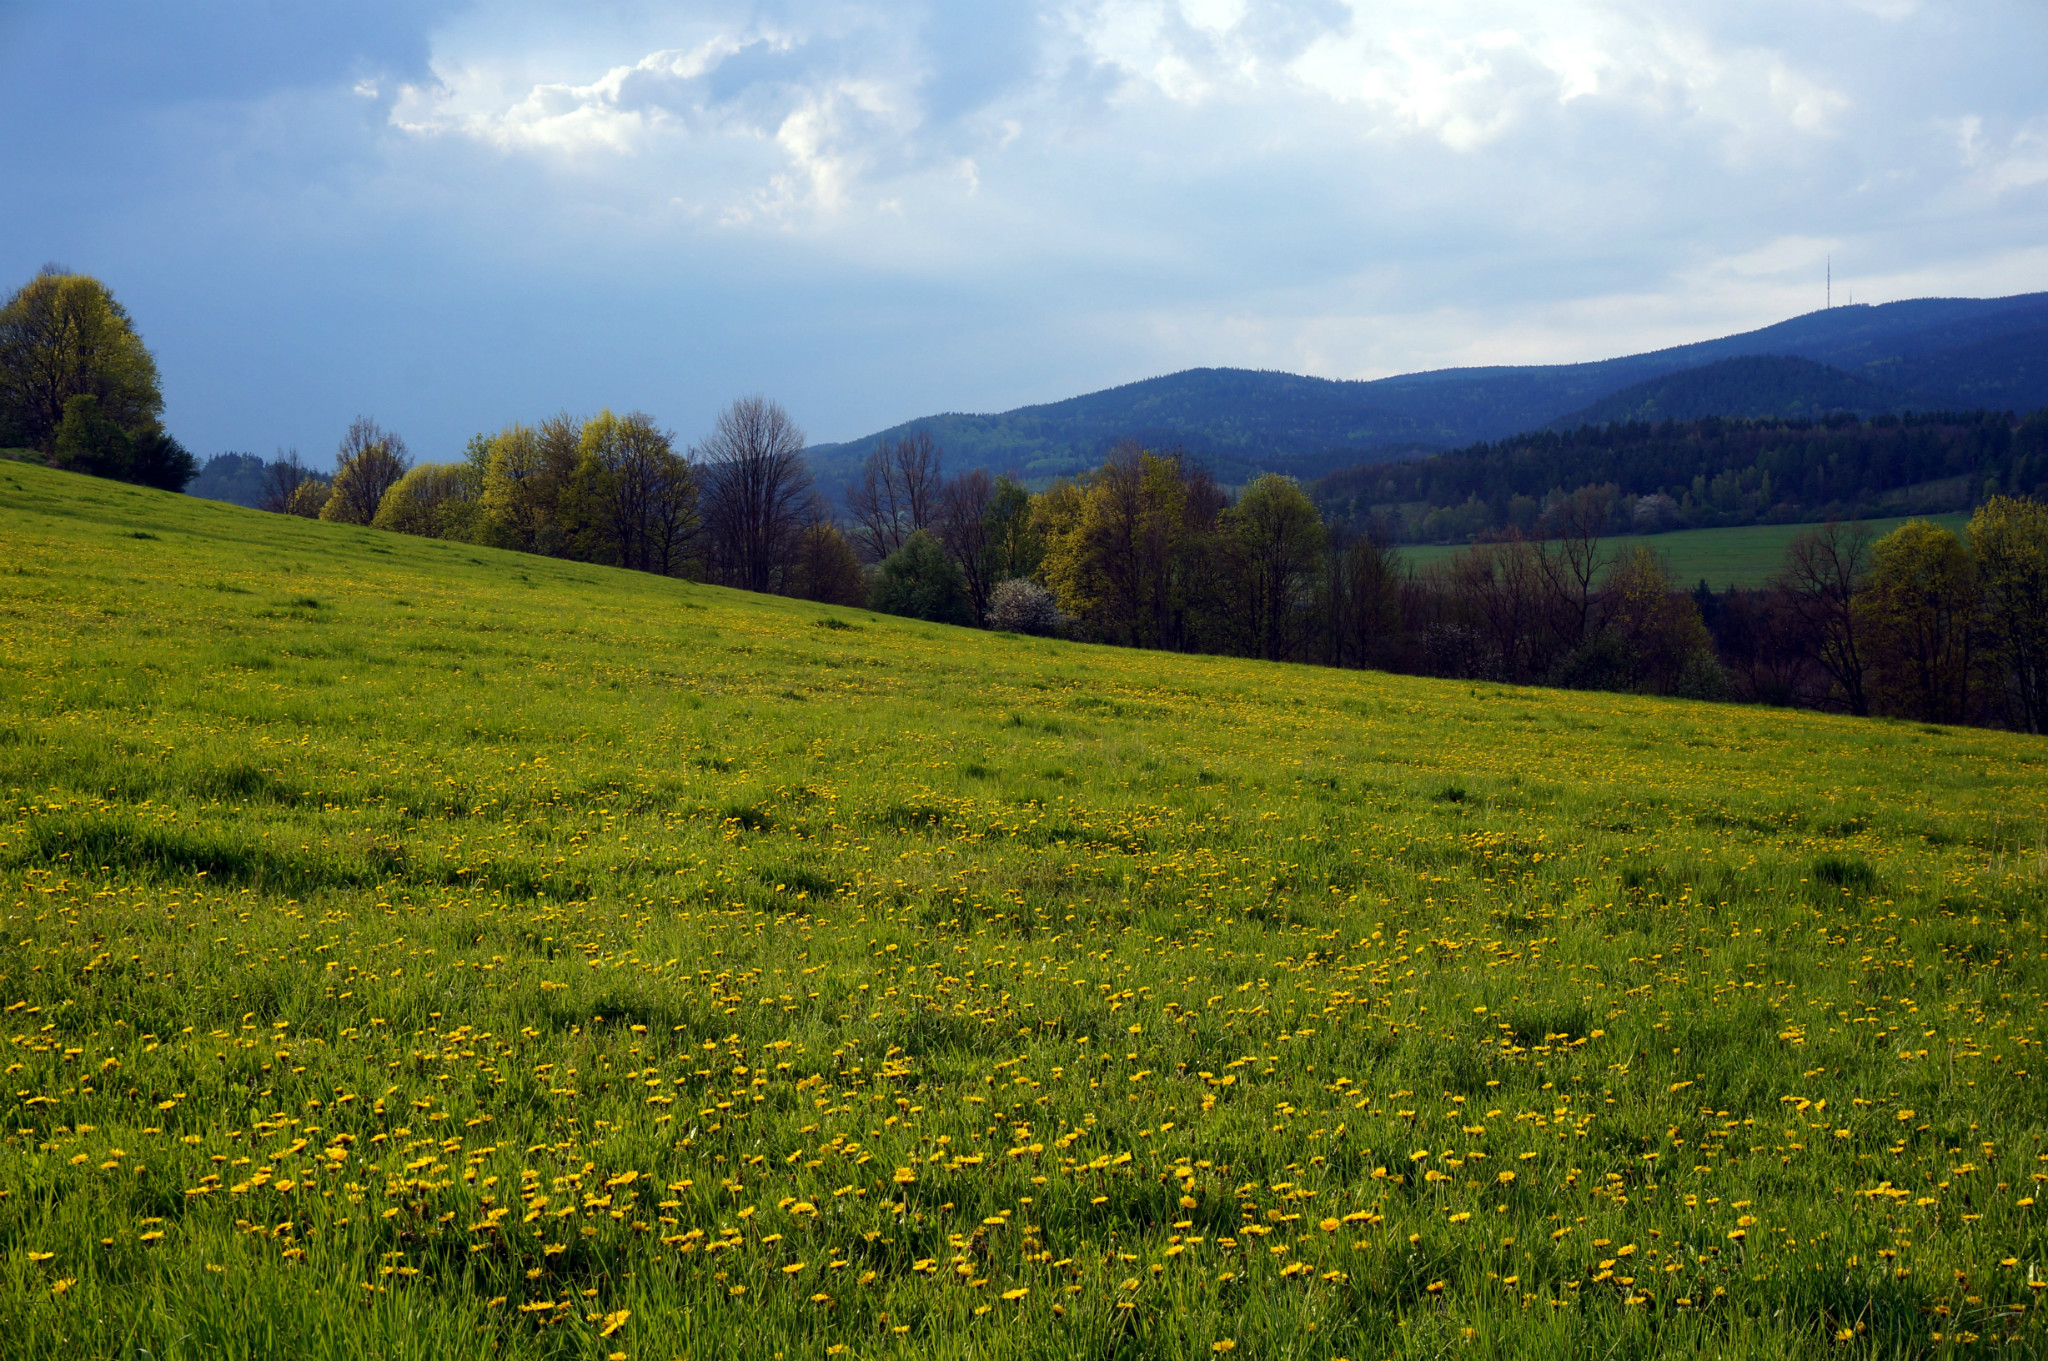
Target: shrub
918	581
1021	605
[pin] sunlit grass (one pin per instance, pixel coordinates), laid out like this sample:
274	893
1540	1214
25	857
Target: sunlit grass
416	950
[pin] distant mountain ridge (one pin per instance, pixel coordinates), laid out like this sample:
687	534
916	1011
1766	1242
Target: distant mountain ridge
1922	353
1752	387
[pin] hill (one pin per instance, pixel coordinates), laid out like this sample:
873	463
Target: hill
1755	387
415	949
1929	353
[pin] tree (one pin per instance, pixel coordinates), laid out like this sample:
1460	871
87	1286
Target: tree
919	581
1279	539
88	442
369	463
1112	542
1919	609
964	530
158	460
1823	573
898	492
62	335
281	478
756	492
625	465
672	523
1362	601
1570	561
1663	641
1014	546
433	500
827	569
310	498
2009	538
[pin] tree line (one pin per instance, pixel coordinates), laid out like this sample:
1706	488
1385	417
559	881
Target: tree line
1148	550
1700	474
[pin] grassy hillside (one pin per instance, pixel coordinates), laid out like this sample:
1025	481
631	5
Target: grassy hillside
419	951
1747	555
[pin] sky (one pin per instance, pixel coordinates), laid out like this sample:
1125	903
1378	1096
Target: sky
450	216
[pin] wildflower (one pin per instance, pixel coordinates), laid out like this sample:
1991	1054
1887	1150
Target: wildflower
1224	1344
1017	1294
614	1321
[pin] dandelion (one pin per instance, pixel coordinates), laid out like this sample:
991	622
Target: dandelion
1223	1344
614	1321
1017	1294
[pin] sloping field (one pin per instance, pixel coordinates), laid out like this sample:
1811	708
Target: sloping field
420	951
1747	555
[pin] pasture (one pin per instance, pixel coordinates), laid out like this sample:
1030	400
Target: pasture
415	950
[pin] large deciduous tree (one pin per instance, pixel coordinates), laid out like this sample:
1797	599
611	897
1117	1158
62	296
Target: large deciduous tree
369	463
2009	537
1919	610
1823	573
756	493
1278	540
62	336
899	492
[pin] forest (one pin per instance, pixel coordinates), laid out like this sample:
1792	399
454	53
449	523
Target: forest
1704	473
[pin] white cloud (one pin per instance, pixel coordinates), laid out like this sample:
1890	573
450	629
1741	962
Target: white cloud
2020	163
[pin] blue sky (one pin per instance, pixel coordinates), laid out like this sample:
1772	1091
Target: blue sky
453	215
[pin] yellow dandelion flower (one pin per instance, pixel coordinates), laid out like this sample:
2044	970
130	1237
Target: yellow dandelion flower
1223	1344
614	1321
1019	1293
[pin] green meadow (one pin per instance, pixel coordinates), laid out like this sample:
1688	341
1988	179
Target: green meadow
1748	555
414	950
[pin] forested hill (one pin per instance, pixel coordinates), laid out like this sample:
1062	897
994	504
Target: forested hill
1754	387
1700	474
1929	354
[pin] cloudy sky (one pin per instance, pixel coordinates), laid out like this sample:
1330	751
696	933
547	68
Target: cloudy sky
452	215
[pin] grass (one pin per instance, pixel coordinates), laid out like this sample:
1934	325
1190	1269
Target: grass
413	950
1745	556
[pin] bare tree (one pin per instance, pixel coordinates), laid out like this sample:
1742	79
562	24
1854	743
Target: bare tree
964	530
1570	563
369	463
756	492
1823	572
281	478
899	492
